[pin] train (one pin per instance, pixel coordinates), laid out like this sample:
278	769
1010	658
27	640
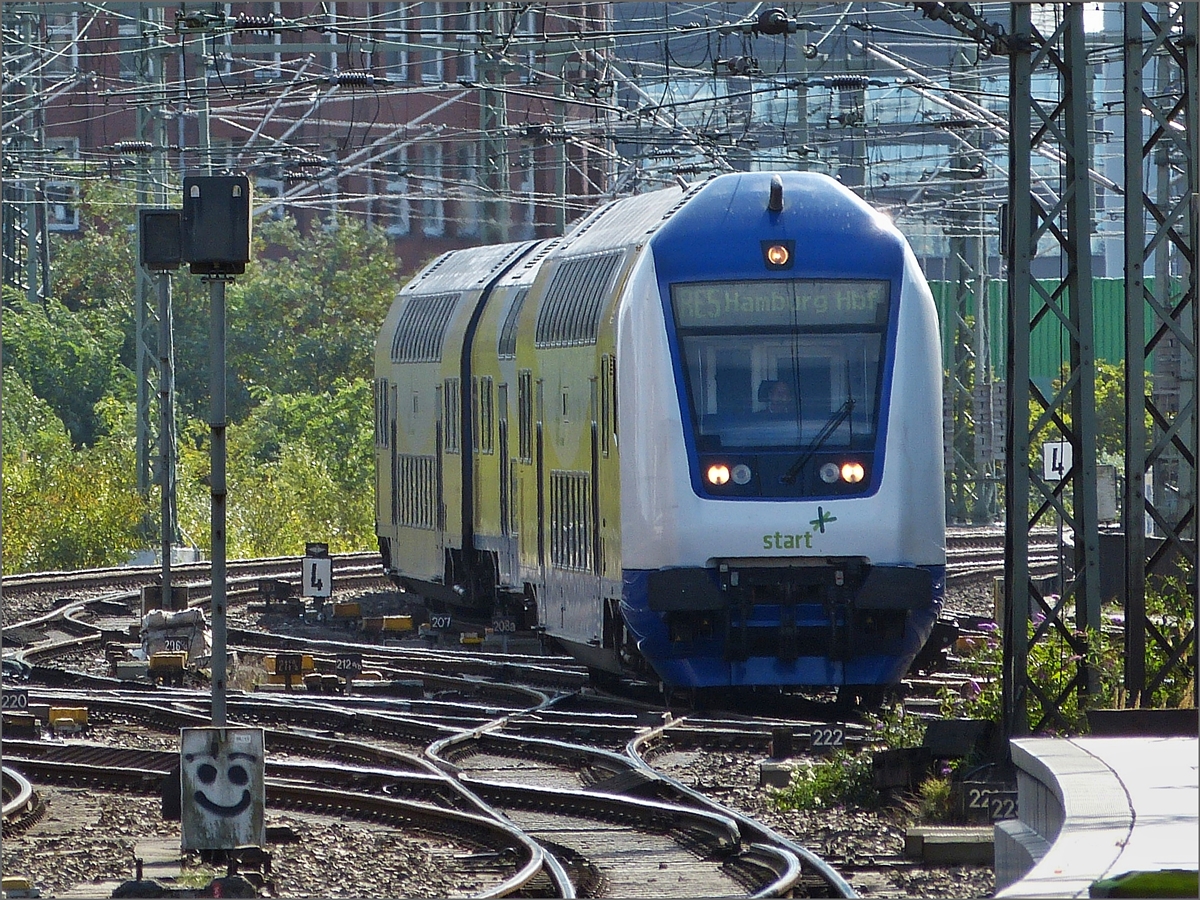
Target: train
696	440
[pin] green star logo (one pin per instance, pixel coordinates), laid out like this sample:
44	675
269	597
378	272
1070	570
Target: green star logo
821	519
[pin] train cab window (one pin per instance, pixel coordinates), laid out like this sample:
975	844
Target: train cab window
747	345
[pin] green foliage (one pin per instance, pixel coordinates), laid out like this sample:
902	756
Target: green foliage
1171	604
30	426
982	696
843	776
96	269
316	302
299	469
67	360
300	463
934	800
66	508
894	728
1110	415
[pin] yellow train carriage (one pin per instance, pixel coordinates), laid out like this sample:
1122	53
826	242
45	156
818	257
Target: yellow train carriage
500	436
422	430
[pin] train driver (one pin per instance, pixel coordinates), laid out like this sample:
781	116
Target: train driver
779	397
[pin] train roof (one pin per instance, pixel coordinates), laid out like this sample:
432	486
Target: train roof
465	270
622	222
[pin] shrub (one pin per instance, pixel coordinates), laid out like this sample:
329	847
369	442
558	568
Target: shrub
843	776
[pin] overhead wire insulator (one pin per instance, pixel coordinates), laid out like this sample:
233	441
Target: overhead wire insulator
267	24
848	82
355	78
133	148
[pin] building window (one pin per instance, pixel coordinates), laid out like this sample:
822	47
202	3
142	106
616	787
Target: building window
433	206
464	63
525	228
62	45
527	34
392	50
222	47
468	205
267	190
62	206
129	42
397	208
433	60
332	17
270	66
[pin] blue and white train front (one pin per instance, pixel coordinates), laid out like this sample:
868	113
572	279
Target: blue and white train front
781	456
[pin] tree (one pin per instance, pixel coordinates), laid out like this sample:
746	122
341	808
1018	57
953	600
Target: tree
67	508
68	359
299	469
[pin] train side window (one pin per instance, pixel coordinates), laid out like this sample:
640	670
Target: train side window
382	415
484	416
451	426
525	415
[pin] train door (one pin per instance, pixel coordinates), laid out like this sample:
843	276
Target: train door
540	470
439	484
509	555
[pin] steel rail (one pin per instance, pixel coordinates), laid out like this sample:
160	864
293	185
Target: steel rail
830	875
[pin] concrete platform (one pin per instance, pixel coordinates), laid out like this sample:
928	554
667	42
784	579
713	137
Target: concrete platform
1093	808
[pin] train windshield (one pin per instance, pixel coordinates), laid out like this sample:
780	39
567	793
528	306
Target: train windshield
776	364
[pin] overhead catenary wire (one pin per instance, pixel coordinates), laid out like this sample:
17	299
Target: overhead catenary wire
674	100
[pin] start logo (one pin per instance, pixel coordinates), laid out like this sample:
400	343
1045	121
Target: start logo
803	541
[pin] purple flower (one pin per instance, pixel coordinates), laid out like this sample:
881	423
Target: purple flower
987	626
1038	618
971	689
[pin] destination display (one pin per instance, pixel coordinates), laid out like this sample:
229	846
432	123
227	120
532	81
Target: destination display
778	304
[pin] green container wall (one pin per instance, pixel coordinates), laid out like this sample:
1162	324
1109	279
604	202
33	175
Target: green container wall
1048	350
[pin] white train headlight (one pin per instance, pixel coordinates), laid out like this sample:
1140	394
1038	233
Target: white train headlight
741	473
718	474
852	472
829	473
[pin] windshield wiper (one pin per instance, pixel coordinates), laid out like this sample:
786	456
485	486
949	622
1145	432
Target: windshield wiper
838	416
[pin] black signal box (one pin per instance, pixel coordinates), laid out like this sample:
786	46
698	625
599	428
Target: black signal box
160	238
216	223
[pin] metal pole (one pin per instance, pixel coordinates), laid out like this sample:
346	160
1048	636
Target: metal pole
1134	511
166	432
216	295
801	47
1017	477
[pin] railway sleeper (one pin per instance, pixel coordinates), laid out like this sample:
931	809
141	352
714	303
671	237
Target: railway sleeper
710	832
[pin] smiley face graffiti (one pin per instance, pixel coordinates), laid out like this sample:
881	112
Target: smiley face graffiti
236	775
222	778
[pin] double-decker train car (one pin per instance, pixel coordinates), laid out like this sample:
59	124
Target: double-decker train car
699	437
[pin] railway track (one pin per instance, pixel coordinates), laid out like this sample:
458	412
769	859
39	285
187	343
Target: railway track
474	740
573	833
